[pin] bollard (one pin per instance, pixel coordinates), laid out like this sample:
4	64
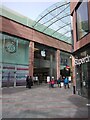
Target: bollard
74	90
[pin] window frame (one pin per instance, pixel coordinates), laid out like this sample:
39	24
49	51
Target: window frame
79	4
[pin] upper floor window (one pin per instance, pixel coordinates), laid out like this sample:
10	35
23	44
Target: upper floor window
82	20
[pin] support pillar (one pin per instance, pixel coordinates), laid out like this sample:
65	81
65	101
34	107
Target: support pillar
31	58
51	67
15	77
73	75
1	75
1	61
58	63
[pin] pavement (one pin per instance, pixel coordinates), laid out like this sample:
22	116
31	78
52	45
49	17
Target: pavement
42	102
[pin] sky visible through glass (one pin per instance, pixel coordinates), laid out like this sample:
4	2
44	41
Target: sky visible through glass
56	23
29	8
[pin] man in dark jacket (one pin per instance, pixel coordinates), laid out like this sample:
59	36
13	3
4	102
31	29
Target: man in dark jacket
28	82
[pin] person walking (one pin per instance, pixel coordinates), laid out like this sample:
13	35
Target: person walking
66	82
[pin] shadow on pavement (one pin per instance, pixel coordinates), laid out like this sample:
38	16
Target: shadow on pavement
80	103
12	90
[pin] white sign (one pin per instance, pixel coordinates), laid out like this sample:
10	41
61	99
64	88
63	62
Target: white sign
82	60
43	53
48	79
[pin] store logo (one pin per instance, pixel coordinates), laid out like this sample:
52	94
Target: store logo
43	53
10	46
82	60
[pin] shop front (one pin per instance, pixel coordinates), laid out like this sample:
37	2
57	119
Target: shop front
82	64
18	54
65	61
44	62
14	60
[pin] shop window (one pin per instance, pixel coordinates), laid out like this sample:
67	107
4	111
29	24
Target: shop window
64	61
15	50
43	53
83	72
82	20
15	59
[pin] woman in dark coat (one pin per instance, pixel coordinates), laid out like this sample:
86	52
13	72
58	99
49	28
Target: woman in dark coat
28	82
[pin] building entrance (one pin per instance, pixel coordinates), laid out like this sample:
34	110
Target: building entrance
44	62
42	74
82	62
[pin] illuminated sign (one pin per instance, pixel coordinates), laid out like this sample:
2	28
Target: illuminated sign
43	53
82	60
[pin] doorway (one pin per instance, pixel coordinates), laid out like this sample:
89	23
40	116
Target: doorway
42	74
44	62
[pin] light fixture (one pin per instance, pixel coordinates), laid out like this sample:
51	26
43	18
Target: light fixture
70	56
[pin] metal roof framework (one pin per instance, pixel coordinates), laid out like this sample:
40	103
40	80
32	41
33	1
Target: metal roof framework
56	21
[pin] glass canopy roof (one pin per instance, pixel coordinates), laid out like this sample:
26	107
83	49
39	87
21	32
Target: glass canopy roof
56	21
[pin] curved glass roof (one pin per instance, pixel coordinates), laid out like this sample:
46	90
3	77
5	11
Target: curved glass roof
56	21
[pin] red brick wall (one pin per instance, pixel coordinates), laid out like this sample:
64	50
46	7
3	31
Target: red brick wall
58	63
31	58
44	39
73	4
85	40
13	28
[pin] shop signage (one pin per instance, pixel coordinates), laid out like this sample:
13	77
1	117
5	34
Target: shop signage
82	60
43	53
10	46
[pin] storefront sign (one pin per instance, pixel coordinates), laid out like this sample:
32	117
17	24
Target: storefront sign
82	60
10	46
43	53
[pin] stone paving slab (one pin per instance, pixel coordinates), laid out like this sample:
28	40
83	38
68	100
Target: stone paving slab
42	102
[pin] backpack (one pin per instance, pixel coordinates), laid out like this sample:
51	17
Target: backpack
66	80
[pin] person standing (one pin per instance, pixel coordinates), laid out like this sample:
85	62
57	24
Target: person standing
49	81
52	82
28	82
59	81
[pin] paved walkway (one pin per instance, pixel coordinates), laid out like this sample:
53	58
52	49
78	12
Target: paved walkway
42	102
